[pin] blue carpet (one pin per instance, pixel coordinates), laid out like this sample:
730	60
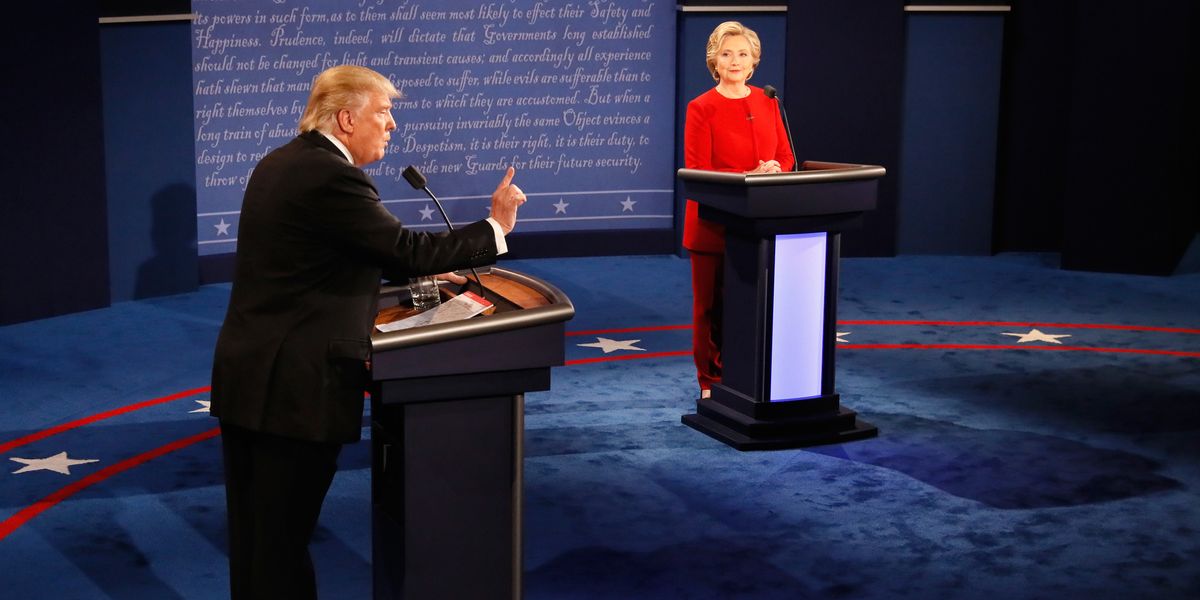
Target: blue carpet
1003	469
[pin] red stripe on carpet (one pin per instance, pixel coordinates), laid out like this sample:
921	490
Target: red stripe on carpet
584	361
1026	324
940	323
45	433
14	522
1012	347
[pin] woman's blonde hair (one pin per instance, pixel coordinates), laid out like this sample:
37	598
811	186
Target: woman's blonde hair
343	86
726	30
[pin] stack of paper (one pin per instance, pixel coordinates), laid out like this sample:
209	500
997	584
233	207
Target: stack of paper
462	306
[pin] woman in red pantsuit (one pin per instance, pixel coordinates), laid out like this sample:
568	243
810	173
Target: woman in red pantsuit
733	127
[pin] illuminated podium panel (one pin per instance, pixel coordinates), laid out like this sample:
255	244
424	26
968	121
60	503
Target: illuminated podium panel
782	248
447	427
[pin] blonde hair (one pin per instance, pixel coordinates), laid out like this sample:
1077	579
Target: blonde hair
340	87
726	30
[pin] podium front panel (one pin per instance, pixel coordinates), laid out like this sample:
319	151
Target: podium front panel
797	317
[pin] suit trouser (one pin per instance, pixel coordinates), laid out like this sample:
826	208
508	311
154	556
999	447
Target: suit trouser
274	488
708	288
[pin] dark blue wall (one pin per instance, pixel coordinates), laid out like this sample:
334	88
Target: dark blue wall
151	172
1034	106
949	135
1132	196
54	248
845	77
1098	133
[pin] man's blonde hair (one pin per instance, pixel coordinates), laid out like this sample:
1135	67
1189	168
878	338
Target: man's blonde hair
726	30
336	88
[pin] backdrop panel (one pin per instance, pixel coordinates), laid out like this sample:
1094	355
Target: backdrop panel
151	182
578	96
948	143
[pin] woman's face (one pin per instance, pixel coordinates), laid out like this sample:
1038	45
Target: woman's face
735	62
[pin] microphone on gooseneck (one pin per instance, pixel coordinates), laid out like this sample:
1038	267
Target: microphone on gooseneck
773	94
415	178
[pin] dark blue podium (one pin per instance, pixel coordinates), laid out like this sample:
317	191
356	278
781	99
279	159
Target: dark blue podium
447	412
782	247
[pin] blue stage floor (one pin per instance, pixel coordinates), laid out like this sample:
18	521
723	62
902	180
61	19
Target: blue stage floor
1039	438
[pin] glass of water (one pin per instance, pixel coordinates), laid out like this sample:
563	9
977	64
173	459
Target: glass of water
424	291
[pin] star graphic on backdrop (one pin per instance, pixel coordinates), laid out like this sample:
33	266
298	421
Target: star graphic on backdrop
839	337
627	204
561	207
608	345
205	405
1037	336
222	227
59	463
426	213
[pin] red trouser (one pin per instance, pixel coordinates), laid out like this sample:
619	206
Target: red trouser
708	283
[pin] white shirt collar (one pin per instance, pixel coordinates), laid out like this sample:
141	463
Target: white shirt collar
339	144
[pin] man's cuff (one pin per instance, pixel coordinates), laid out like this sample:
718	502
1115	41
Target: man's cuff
501	246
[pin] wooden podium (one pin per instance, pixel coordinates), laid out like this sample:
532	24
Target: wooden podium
782	246
447	412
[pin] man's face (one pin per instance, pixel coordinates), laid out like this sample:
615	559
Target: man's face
371	129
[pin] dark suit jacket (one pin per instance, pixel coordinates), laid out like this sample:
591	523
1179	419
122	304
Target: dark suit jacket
313	242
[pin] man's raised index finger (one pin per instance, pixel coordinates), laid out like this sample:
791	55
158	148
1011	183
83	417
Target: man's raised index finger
508	176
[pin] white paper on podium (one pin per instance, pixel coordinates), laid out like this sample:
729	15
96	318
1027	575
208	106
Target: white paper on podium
463	306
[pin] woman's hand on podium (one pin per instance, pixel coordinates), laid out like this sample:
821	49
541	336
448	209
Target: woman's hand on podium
769	166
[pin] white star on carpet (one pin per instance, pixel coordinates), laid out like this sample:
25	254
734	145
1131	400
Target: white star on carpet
1037	336
608	345
205	406
59	463
426	213
561	207
627	205
222	227
839	335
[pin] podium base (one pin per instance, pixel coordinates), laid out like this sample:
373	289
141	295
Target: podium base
795	424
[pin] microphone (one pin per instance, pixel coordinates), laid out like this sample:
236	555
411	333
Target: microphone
416	178
773	94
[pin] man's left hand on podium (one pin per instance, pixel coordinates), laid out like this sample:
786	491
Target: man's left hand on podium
454	278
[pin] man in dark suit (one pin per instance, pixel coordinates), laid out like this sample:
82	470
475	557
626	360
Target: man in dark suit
291	362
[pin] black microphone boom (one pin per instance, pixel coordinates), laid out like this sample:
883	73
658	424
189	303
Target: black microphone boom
415	178
773	94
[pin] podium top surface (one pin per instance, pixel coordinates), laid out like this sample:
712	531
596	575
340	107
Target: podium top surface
811	171
549	305
817	190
